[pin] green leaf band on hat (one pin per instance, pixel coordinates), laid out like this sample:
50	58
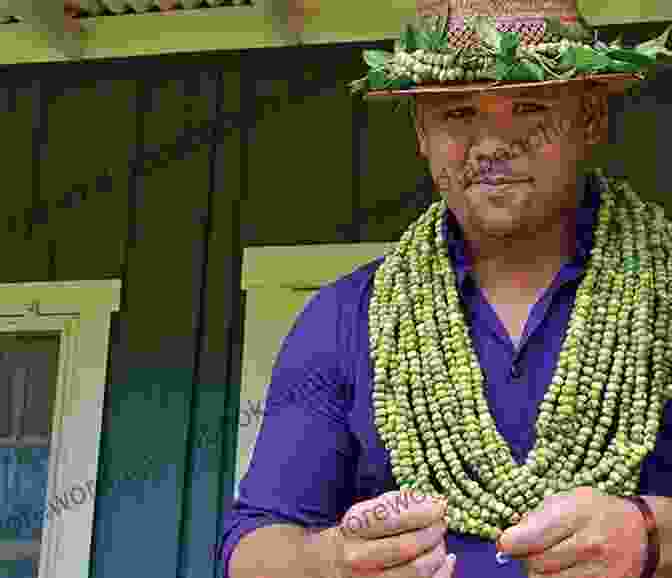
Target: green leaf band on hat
487	50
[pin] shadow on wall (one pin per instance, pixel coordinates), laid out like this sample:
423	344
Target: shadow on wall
27	517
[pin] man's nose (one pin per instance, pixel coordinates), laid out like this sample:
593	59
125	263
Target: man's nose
494	104
497	109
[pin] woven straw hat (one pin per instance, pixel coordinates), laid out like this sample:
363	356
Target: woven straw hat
534	26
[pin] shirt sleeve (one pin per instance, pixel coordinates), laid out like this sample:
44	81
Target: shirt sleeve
656	475
302	468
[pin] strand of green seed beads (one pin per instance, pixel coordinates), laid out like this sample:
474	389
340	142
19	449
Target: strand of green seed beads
422	66
429	406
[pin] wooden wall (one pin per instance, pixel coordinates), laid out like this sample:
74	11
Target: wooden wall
160	171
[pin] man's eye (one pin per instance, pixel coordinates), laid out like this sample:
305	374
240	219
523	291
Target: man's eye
459	113
468	112
528	107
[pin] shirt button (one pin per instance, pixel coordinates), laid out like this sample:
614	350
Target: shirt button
515	371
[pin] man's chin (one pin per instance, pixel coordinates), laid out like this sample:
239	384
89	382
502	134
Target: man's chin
499	229
501	206
499	222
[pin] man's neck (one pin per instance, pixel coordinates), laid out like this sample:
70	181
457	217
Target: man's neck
526	265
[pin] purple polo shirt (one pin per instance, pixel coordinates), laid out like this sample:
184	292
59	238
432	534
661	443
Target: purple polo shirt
318	451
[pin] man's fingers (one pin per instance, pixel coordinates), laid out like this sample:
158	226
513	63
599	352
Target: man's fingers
391	514
400	533
372	556
428	564
446	571
424	566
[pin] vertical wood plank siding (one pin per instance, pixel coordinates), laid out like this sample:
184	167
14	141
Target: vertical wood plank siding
161	171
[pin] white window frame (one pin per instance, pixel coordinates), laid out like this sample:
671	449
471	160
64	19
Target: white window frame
80	312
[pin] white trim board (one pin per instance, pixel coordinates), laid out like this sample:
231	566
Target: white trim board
305	266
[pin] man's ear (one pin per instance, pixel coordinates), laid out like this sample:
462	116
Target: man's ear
596	115
420	138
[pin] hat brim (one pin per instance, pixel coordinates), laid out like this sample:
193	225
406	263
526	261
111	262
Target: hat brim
614	83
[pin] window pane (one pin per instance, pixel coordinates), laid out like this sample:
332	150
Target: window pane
28	377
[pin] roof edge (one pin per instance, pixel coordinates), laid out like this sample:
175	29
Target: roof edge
239	27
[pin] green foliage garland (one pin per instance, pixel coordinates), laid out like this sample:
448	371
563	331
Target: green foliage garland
423	55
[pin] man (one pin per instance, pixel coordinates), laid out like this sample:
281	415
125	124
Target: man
507	362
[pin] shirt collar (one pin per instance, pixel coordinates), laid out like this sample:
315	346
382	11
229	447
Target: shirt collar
585	219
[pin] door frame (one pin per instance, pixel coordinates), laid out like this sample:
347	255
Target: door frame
80	312
269	275
305	266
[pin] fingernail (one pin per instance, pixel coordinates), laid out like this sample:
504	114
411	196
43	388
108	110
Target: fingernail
452	558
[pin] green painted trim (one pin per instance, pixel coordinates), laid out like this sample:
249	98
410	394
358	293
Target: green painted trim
607	12
20	43
242	27
224	28
357	21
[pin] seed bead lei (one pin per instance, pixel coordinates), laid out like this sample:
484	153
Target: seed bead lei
613	373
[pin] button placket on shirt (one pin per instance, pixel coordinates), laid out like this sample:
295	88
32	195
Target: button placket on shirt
516	372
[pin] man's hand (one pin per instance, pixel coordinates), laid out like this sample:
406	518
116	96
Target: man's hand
579	534
397	535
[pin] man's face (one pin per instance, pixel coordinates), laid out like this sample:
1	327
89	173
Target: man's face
508	163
